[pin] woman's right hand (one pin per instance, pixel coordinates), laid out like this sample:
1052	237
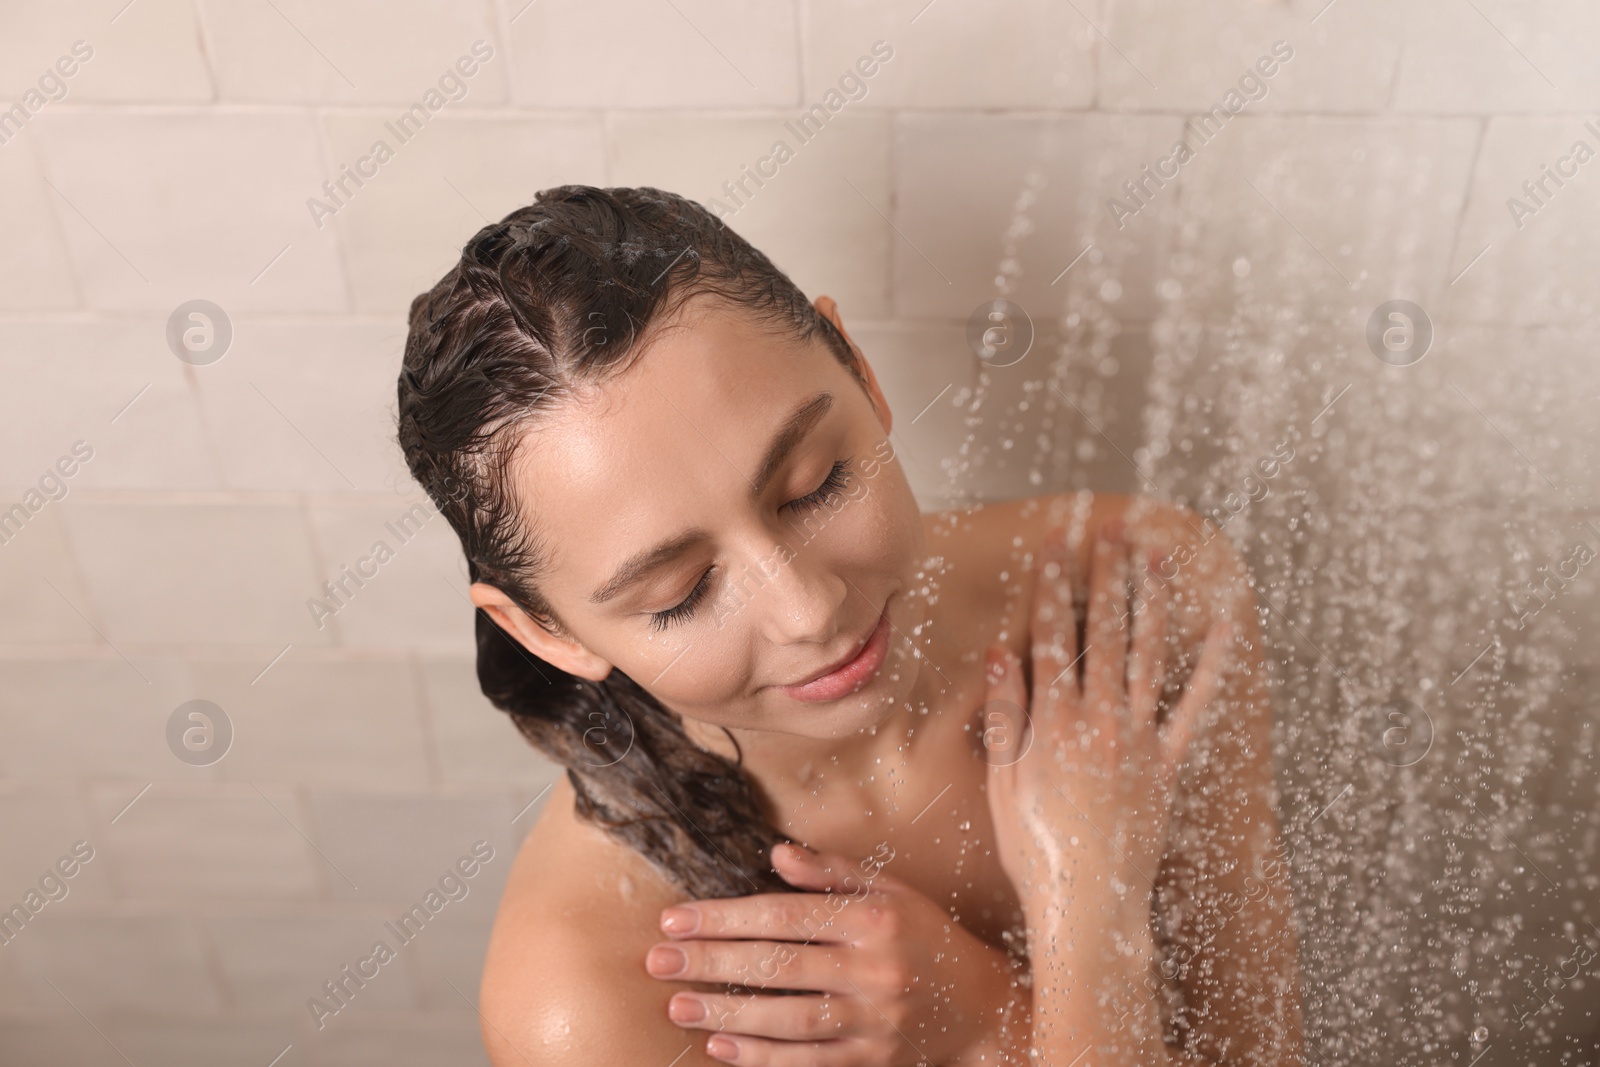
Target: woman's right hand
1090	797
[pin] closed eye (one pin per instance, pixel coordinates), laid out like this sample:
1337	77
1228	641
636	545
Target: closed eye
838	477
660	620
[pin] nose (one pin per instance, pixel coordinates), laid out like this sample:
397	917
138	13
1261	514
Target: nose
802	602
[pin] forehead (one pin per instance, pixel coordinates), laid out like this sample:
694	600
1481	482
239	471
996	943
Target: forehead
668	443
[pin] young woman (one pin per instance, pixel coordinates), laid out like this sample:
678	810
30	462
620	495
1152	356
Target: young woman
708	592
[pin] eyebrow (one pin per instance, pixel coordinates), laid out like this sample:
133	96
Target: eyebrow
790	433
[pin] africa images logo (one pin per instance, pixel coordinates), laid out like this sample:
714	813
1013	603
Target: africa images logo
851	87
1252	87
452	88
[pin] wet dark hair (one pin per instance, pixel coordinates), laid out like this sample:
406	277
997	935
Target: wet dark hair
555	298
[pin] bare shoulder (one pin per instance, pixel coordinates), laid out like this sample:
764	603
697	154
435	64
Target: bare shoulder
564	979
991	549
1008	531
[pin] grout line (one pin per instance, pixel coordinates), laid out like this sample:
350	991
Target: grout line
1394	77
383	108
203	42
1470	182
800	8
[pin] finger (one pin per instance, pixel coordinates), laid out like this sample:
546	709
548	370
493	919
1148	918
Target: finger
1007	729
824	872
757	964
1054	632
1105	669
769	916
1003	734
1147	662
797	1018
1204	682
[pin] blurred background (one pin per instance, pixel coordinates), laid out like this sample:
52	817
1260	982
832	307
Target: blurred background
1351	318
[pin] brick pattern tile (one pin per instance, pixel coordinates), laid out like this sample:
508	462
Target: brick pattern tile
177	530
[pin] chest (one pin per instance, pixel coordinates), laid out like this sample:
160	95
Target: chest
930	817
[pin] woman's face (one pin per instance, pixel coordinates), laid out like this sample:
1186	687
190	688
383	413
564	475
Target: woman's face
724	519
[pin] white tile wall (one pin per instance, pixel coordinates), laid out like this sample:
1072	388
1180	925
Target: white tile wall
265	957
43	823
178	163
38	272
696	54
402	230
1021	54
201	1041
1514	281
111	383
409	1039
476	741
1363	210
118	961
1187	57
1499	57
183	843
369	51
226	573
304	404
147	53
924	369
948	251
394	846
838	177
77	717
324	721
213	228
40	582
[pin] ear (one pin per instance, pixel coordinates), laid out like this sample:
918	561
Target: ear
830	310
561	652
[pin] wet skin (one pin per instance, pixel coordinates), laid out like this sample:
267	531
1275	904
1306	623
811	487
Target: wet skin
899	763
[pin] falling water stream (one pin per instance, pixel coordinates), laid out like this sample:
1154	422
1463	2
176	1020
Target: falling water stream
1413	571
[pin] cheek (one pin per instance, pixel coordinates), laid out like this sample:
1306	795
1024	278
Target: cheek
709	672
703	664
869	540
895	506
882	493
706	668
868	534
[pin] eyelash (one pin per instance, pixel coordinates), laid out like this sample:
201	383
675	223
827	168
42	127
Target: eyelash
837	479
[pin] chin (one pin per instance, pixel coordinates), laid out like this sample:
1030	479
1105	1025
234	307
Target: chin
846	718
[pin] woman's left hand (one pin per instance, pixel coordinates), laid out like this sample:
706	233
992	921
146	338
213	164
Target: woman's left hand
891	979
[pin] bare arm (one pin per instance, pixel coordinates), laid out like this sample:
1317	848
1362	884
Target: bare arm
1081	808
1233	950
1086	821
568	998
564	980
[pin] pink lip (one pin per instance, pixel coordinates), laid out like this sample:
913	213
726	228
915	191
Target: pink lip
850	675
